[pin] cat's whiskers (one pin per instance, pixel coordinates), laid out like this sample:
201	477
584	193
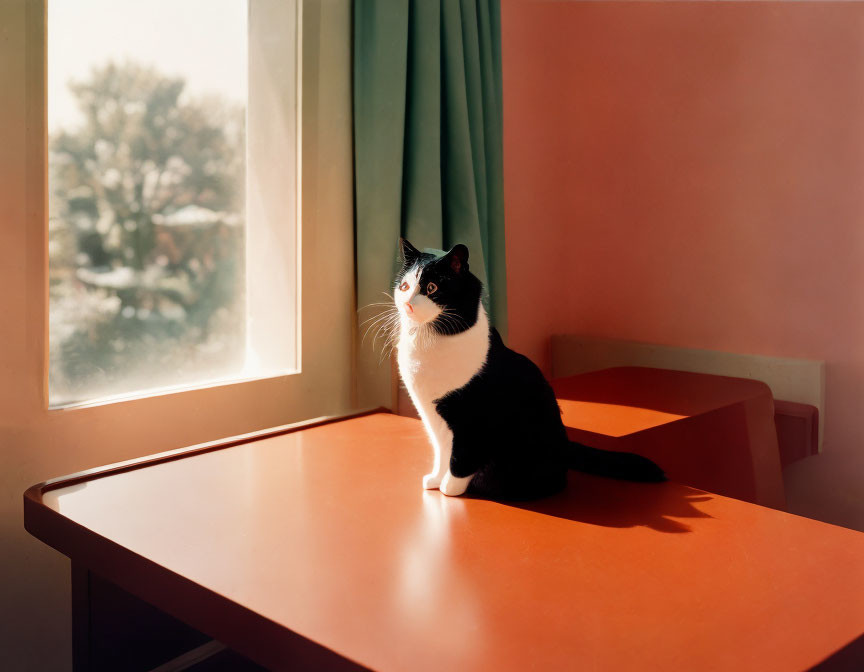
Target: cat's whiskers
376	317
450	322
379	321
386	329
376	322
386	325
428	334
389	346
389	325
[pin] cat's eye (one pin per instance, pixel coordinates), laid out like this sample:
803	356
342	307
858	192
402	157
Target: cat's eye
403	287
431	288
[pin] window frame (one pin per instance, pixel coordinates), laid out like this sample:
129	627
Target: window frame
107	431
272	209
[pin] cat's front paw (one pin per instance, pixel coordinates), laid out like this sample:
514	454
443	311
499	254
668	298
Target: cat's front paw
431	481
453	486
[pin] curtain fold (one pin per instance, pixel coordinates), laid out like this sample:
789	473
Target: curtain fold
428	140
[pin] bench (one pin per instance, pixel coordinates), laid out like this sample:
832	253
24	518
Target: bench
712	432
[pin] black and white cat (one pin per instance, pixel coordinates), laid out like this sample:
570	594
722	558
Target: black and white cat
491	417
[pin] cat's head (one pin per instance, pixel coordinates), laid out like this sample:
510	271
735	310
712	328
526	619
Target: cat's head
437	290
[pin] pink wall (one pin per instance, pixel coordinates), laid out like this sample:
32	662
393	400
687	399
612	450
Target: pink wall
692	173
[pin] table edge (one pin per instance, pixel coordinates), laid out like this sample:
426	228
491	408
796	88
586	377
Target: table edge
273	646
35	492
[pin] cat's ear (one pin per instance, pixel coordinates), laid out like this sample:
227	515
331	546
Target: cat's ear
457	257
407	251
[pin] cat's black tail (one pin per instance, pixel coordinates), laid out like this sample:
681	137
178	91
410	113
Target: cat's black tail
625	466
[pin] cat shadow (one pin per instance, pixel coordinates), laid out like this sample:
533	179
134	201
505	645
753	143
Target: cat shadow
609	503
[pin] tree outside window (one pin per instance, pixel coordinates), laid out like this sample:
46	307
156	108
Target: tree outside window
146	236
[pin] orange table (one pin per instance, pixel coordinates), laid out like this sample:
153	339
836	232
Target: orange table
316	548
711	432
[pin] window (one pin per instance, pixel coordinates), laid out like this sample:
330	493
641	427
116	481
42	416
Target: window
172	194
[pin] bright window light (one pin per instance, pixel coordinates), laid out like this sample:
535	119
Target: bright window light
171	264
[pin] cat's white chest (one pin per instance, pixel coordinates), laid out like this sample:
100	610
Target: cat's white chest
432	367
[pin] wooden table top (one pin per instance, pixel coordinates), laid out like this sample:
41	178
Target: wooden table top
320	546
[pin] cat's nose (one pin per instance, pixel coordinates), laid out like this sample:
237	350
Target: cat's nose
409	308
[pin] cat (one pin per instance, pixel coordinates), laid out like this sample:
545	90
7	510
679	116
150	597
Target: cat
490	414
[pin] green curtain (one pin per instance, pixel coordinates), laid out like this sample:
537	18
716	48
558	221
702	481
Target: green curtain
428	138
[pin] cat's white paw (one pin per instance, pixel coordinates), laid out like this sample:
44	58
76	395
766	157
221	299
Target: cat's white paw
453	486
431	481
